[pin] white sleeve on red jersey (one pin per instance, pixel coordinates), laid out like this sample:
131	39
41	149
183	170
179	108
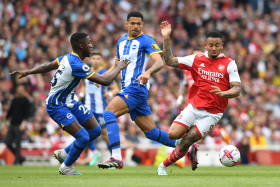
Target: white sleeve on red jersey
186	62
233	72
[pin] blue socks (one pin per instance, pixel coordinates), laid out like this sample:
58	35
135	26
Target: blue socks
112	129
91	145
160	136
82	139
93	134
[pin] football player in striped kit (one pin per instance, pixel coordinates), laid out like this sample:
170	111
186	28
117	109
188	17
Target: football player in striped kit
62	103
96	100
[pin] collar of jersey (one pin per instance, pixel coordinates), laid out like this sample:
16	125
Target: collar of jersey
135	36
99	69
76	55
220	55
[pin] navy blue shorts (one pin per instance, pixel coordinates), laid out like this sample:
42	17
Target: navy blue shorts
64	116
136	98
100	120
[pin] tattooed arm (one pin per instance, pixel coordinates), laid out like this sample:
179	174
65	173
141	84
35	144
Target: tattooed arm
158	64
231	93
169	59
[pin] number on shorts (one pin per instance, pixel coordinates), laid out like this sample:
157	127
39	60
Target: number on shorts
81	107
101	120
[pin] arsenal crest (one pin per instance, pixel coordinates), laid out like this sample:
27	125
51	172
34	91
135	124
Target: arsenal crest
221	67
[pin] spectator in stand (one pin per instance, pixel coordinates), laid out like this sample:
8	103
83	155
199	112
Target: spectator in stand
43	139
244	150
18	113
257	140
131	133
59	138
273	140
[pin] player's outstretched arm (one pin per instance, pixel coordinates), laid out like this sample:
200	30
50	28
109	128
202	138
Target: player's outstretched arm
107	79
169	59
111	68
43	68
108	71
231	93
158	64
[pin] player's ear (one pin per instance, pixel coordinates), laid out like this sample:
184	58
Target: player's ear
81	45
222	45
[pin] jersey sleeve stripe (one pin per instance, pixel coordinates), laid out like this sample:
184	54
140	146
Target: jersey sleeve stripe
57	61
88	76
117	58
160	52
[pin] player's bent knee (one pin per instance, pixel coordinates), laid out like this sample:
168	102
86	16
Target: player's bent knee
173	135
82	136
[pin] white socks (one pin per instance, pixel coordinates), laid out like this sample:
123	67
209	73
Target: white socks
161	165
116	153
63	165
63	153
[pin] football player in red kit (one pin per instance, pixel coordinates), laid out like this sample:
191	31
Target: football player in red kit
216	79
188	82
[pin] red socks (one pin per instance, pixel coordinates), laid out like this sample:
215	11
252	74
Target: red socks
174	156
215	132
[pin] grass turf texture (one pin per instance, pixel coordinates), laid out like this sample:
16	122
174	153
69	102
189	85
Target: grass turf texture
141	176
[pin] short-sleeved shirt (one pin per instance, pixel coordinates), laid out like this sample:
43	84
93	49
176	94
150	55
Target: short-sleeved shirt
138	49
95	99
218	72
66	80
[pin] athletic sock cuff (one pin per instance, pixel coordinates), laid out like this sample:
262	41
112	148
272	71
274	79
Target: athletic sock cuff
109	117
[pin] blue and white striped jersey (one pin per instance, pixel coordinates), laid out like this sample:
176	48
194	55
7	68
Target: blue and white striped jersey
95	99
138	49
66	80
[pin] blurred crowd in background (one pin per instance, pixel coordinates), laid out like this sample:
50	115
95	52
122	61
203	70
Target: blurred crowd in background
35	32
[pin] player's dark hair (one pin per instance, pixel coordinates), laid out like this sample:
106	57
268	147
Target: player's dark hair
135	14
96	53
214	34
77	38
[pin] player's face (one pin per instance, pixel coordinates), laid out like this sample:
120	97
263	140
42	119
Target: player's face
135	26
214	46
87	47
95	61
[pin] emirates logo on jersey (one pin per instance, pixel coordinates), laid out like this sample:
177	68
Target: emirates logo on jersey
221	67
209	75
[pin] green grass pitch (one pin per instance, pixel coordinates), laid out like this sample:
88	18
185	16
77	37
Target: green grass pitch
141	176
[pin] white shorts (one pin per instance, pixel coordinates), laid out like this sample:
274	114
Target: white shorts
202	120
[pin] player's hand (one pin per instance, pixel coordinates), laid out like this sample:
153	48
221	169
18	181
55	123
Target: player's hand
97	85
144	78
124	63
165	29
217	91
22	73
179	100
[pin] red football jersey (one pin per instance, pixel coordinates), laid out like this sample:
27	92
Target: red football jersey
219	72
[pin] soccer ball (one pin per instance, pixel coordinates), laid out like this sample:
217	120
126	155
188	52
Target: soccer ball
229	156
